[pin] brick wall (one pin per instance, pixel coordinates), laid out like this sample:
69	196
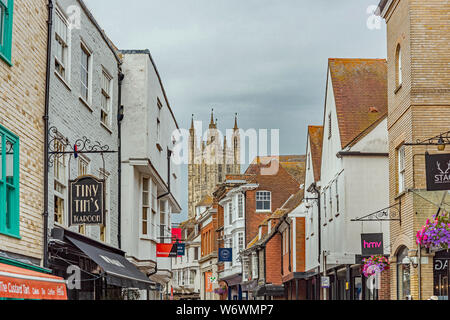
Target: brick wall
22	99
281	186
272	262
418	110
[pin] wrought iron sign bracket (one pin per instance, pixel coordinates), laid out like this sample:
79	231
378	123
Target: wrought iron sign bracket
391	213
81	146
440	140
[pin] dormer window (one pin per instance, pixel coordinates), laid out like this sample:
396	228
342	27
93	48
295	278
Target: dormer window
263	201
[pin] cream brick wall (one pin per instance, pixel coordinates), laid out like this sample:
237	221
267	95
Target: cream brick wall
420	109
22	97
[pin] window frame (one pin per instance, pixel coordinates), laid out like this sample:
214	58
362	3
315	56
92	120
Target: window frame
264	200
108	96
84	48
401	169
65	44
60	163
240	206
6	19
145	206
14	229
398	66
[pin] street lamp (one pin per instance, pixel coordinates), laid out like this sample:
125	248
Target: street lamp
441	144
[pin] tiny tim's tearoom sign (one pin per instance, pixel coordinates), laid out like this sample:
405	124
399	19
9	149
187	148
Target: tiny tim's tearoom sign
86	203
438	171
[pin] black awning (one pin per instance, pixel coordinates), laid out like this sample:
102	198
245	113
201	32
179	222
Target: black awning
119	271
269	290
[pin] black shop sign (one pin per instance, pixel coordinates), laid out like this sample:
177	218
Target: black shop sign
438	171
371	244
86	201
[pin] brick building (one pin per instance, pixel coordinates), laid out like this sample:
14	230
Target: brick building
418	51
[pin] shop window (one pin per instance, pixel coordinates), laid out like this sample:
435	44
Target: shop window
6	25
403	274
9	183
60	183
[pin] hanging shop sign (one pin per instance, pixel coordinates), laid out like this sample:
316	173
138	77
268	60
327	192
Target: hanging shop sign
176	235
371	244
438	171
166	250
86	201
225	254
181	248
208	282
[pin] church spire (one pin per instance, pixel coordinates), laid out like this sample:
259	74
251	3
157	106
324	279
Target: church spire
235	122
192	123
212	125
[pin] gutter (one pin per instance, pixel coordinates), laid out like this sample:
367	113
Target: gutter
46	125
341	154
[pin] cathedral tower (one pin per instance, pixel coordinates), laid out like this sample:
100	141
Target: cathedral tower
211	160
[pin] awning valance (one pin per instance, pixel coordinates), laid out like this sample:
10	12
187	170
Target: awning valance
20	283
118	270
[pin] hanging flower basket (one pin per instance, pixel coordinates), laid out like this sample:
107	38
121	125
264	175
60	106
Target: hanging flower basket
435	233
375	264
221	290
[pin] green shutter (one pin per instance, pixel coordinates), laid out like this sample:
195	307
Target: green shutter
9	191
7	18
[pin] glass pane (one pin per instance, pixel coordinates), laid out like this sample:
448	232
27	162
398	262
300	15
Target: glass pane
1	155
259	205
9	162
10	195
145	201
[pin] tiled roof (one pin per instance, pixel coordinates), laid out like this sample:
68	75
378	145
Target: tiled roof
293	164
315	140
360	92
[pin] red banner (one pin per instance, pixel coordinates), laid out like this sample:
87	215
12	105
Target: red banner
176	235
208	283
166	250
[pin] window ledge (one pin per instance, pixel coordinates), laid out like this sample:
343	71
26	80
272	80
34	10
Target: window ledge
63	81
4	58
106	127
263	211
11	235
398	88
399	195
86	104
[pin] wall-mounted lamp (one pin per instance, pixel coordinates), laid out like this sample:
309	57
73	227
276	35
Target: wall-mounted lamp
441	144
120	114
410	260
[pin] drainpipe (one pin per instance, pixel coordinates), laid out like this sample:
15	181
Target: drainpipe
319	236
46	125
120	116
420	272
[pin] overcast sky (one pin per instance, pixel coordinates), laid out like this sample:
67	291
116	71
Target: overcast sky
265	59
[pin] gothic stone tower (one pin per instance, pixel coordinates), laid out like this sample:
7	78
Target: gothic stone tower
210	161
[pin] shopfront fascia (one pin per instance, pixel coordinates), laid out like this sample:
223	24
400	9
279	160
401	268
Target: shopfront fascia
94	271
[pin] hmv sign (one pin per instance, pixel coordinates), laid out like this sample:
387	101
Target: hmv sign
438	171
371	244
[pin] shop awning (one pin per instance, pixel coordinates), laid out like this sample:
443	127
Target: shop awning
269	290
118	270
20	283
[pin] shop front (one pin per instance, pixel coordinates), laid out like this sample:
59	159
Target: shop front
441	274
94	270
20	281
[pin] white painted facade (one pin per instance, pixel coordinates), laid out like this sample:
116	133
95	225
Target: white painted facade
234	229
351	186
147	204
186	269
